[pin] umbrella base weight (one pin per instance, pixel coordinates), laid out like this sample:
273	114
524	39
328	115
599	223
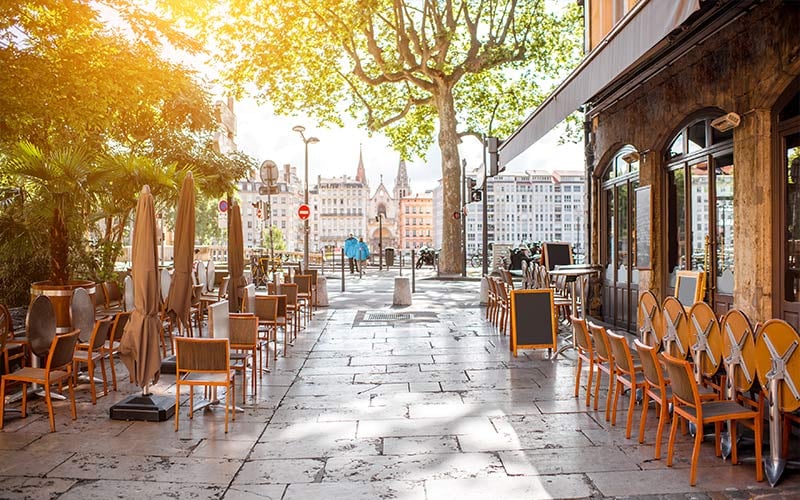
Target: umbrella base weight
151	408
168	365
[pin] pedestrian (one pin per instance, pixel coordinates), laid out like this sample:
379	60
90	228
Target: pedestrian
351	251
363	254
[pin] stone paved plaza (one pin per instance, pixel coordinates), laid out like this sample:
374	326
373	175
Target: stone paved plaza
421	402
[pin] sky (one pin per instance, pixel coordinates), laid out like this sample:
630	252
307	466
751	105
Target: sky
266	136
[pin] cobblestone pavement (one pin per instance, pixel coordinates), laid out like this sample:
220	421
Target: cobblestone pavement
420	402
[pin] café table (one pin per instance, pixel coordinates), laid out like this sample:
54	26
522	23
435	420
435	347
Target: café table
573	273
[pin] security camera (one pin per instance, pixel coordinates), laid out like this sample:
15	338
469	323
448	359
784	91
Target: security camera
726	122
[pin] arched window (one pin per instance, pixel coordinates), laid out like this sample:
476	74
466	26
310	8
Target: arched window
618	253
699	199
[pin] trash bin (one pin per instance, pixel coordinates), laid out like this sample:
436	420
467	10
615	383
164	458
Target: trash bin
389	257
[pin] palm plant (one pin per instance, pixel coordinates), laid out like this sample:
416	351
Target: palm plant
57	187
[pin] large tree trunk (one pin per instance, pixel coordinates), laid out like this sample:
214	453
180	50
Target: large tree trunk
59	249
450	259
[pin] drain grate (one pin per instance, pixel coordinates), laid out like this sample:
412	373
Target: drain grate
387	318
381	316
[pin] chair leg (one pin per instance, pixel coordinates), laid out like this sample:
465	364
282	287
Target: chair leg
663	415
177	404
2	401
113	369
610	394
578	375
71	389
617	390
589	383
103	371
49	408
671	444
597	388
698	438
631	407
757	428
643	418
90	368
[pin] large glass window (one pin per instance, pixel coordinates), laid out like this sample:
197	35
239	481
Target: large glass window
700	205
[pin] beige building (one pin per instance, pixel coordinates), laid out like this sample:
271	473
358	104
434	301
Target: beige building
416	221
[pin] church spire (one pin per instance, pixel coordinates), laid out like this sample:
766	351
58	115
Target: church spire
361	175
402	188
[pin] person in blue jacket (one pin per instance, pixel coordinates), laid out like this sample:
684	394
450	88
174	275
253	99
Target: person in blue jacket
363	254
351	251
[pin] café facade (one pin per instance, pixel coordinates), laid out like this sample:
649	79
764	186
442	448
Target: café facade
692	135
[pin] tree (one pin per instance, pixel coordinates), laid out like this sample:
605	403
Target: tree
411	68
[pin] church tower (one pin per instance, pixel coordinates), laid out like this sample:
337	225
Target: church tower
361	175
402	188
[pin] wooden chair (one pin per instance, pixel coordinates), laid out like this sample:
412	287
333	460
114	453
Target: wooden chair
206	363
705	342
656	388
266	310
627	375
303	282
314	274
604	361
13	351
491	303
243	330
585	350
111	347
57	370
114	299
282	320
292	306
508	278
503	309
688	405
92	352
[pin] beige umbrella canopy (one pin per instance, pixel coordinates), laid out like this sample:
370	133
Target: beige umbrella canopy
179	300
236	258
139	348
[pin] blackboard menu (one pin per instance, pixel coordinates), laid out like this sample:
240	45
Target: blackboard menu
533	320
643	226
557	254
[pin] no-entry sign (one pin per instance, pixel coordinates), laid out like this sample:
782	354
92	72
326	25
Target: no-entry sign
223	206
304	212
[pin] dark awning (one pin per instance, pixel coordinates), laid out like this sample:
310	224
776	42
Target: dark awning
643	28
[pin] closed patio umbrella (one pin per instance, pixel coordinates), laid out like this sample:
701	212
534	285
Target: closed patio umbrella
179	300
236	259
139	348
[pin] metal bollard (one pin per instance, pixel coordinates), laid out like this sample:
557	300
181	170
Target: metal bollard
343	269
413	273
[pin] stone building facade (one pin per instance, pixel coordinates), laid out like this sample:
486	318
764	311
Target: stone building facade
416	222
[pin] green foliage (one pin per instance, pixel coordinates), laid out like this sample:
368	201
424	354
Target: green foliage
278	242
23	253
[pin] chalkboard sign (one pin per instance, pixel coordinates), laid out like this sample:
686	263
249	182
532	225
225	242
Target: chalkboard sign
643	227
533	320
689	287
557	254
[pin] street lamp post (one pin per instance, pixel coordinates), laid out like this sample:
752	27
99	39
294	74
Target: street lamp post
269	175
306	141
380	240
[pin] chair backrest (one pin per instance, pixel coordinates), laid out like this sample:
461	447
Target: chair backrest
81	313
272	288
507	278
281	305
62	350
102	329
266	307
621	351
128	303
201	355
581	333
681	378
243	329
601	345
6	323
223	288
218	316
303	282
166	281
197	293
314	274
211	275
500	289
100	298
40	325
651	367
290	291
249	298
112	293
120	320
200	276
706	338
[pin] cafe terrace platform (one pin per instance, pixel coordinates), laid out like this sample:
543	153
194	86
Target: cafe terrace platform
419	402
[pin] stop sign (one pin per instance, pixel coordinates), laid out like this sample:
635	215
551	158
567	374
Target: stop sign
304	212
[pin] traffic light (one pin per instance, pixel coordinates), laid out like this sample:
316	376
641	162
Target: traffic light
475	194
492	143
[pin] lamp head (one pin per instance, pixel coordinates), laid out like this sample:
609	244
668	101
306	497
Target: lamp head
312	140
299	128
